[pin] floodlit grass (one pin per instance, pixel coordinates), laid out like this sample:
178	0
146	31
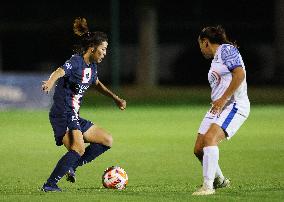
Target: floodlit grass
154	144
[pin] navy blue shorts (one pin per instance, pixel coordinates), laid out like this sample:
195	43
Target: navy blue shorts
60	125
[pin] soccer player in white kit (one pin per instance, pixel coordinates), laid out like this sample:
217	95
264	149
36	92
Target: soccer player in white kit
230	104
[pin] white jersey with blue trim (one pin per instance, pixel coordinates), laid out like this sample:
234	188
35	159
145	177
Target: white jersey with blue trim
227	58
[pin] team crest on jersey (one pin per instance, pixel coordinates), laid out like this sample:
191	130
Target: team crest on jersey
87	73
213	78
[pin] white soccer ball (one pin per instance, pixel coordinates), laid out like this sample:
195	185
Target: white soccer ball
115	177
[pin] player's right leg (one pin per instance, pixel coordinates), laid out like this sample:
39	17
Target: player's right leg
220	181
210	158
74	142
70	174
198	148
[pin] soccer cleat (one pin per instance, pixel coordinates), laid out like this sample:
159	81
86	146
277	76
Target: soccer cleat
47	187
203	191
70	175
218	183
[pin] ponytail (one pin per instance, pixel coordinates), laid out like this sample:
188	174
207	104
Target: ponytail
80	26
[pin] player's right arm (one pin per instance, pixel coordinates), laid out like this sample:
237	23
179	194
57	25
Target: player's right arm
47	85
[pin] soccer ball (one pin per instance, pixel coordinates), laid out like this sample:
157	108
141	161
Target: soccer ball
115	177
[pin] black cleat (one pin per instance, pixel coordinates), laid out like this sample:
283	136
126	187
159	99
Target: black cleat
70	175
218	183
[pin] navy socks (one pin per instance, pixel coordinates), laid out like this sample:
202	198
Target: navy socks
68	160
91	152
73	159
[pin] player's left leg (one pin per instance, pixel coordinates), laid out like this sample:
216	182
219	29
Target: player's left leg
73	141
100	141
210	158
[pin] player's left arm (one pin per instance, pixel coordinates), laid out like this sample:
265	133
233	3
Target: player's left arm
238	75
121	103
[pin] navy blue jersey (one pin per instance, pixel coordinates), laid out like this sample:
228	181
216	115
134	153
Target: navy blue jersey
70	89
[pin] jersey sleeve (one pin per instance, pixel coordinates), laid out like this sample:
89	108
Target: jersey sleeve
231	57
69	66
95	80
95	75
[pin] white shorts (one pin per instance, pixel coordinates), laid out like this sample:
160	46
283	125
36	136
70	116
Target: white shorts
230	120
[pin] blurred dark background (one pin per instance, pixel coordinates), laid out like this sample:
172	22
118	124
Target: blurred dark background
151	42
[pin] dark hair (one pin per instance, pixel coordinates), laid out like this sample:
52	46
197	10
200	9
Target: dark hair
86	38
215	35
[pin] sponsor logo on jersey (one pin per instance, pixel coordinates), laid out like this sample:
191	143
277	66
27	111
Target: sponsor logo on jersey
68	65
80	89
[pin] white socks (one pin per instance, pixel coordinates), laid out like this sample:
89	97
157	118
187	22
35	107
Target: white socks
219	173
210	164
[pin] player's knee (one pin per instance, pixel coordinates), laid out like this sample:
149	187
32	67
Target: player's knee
80	149
210	139
108	141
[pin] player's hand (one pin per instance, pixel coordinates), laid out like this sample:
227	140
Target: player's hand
217	106
46	86
120	103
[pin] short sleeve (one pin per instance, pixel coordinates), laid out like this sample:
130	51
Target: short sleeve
69	66
231	57
95	79
95	75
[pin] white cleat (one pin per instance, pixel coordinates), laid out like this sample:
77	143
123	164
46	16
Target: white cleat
203	191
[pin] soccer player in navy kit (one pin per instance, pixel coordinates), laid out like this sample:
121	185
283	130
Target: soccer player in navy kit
70	130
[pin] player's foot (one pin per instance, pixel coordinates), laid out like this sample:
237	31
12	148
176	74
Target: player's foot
47	187
204	190
219	183
70	175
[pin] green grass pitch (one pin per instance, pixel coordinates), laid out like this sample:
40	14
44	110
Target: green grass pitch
154	144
